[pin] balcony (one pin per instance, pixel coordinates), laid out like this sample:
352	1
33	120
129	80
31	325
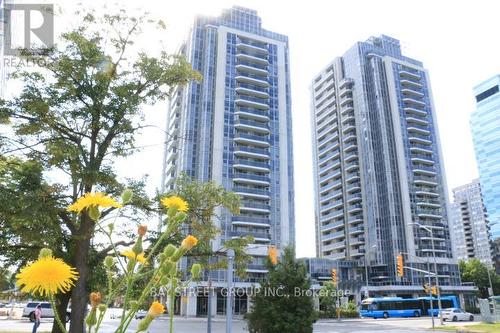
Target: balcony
246	57
252	69
420	148
251	152
255	207
429	203
356	230
351	177
251	165
415	111
251	91
251	102
354	197
329	156
252	114
323	97
429	213
356	241
349	147
333	215
425	170
256	235
334	246
335	204
327	148
424	130
248	178
252	79
346	82
333	185
350	188
349	127
421	158
412	84
411	92
251	221
355	219
430	181
412	101
257	140
345	101
331	236
427	192
330	196
418	121
328	139
351	166
331	226
251	192
407	74
423	139
352	209
350	156
252	47
250	125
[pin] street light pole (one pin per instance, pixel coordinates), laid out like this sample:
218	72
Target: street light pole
367	293
435	269
229	303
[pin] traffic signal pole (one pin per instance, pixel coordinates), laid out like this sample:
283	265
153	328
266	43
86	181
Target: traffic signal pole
430	293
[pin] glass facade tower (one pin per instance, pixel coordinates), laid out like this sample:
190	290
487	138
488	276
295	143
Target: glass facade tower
470	228
234	127
485	126
377	164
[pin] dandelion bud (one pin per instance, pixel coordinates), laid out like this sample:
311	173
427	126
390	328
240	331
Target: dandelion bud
134	305
144	323
142	229
167	266
189	242
94	213
95	299
137	248
45	253
164	280
102	307
91	318
109	262
127	196
111	227
196	271
181	216
156	309
169	250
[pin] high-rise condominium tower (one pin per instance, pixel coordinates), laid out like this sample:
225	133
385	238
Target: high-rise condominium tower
378	165
470	228
235	128
485	125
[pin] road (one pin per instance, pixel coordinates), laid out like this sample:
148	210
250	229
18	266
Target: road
198	325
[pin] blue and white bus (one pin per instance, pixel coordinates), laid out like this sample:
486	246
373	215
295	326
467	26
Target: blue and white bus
386	307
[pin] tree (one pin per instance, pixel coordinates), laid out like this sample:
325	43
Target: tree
475	271
284	303
75	115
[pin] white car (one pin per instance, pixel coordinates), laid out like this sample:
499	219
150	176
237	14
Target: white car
456	314
46	307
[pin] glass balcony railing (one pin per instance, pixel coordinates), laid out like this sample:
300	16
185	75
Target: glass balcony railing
252	163
240	189
251	150
251	177
253	219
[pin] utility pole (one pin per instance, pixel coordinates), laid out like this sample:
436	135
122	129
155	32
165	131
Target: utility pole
229	303
430	292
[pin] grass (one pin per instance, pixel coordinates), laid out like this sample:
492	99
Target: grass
486	328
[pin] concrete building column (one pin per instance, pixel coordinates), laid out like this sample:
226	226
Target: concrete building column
191	305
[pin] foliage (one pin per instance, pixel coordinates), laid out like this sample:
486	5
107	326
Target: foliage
73	117
289	310
328	303
475	271
5	279
206	200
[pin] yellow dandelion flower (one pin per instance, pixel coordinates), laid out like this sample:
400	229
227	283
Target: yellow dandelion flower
132	256
273	254
175	202
189	242
89	200
156	309
47	276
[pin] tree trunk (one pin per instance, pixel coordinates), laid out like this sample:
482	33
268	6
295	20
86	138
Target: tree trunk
62	301
79	294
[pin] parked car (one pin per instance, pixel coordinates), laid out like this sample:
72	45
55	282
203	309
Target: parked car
47	312
140	314
456	314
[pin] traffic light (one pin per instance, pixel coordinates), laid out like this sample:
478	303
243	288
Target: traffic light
426	288
399	262
334	276
434	290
